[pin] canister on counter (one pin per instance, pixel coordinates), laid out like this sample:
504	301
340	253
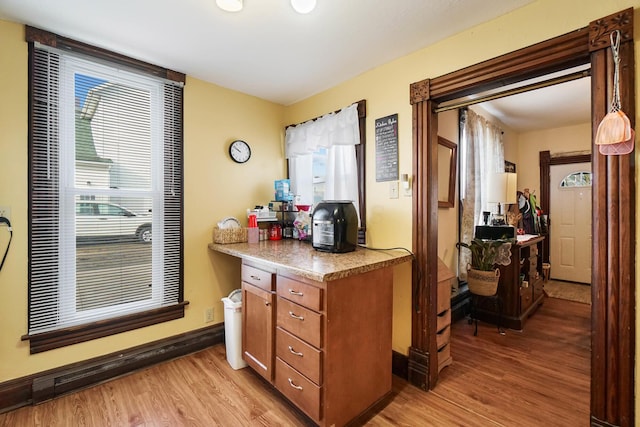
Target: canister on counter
275	232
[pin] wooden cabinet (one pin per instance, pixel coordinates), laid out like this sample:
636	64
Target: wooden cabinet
520	290
332	351
443	320
258	299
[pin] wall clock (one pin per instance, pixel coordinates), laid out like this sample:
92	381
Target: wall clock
239	151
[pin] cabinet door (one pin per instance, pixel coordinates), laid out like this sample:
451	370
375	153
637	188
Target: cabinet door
257	329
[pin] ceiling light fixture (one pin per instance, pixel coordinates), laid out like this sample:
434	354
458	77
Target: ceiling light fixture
230	5
303	6
300	6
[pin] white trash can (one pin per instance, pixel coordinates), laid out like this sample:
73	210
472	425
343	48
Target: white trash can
233	329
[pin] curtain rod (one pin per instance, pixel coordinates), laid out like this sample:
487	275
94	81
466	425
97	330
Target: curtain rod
362	112
522	89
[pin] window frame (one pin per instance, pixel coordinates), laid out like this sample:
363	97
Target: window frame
64	336
566	182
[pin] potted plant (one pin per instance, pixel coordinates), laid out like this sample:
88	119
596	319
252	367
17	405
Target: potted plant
482	274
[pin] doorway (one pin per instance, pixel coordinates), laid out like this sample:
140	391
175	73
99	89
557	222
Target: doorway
613	277
570	239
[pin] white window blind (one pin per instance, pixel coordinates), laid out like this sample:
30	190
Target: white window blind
106	191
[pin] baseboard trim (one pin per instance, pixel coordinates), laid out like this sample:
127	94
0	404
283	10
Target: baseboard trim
46	385
419	368
400	365
461	303
599	423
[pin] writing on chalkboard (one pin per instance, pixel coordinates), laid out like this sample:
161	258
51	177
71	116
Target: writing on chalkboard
387	148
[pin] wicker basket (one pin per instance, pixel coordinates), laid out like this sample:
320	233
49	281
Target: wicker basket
483	283
229	235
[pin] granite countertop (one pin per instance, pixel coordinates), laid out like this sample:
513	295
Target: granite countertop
301	259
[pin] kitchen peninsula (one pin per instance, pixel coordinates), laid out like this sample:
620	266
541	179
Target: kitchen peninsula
317	325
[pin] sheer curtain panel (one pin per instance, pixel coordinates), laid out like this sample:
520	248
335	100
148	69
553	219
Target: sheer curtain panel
481	156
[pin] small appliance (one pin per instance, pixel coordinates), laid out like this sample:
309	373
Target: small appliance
335	226
495	232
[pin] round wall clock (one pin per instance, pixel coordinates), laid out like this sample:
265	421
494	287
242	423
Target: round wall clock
239	151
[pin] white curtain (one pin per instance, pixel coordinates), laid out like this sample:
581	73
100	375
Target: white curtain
339	133
482	155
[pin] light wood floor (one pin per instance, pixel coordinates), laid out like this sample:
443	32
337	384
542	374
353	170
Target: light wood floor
537	377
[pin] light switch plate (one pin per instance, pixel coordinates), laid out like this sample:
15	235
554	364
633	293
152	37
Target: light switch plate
393	189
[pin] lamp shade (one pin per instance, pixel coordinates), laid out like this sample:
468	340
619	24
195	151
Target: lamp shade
503	188
303	6
230	5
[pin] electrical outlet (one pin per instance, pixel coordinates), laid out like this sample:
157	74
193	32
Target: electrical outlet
5	211
393	190
208	315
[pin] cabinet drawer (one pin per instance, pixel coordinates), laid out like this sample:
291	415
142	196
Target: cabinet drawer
260	278
538	287
443	319
526	298
444	356
442	337
302	392
444	296
301	322
301	356
301	293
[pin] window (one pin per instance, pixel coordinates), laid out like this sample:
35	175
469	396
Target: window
319	172
326	159
576	179
105	219
481	157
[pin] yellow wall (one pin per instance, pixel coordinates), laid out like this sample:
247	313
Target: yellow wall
209	125
386	89
557	140
215	187
448	128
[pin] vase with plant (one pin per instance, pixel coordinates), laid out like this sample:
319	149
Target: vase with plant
482	273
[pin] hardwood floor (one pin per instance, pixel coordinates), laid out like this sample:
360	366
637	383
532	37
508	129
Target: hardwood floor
537	377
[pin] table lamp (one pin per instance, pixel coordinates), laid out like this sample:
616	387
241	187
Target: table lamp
503	190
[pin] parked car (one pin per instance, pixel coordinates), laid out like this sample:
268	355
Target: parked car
103	219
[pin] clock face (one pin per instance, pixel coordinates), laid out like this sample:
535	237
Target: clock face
239	151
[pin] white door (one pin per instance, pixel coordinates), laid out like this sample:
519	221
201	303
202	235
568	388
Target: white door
570	222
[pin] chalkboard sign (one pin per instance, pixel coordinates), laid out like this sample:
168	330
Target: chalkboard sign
387	148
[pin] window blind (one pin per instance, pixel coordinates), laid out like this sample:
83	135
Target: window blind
106	191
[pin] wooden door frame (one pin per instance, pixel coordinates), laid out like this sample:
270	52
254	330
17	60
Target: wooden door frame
613	222
546	161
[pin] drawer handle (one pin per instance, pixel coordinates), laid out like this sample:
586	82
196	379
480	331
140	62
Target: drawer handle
292	292
292	314
297	387
255	277
295	352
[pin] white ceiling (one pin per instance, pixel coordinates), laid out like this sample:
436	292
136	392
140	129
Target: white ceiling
560	105
266	50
